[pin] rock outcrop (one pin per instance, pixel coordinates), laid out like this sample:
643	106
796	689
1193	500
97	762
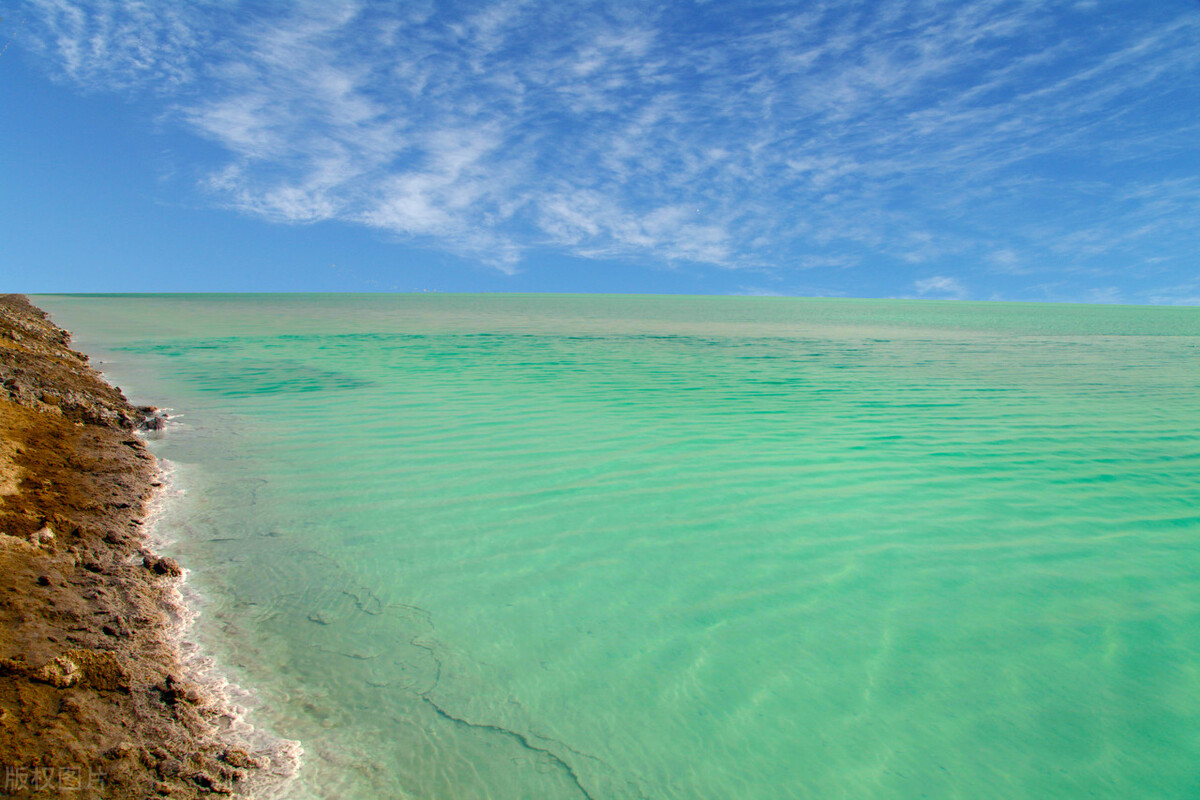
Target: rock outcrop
94	700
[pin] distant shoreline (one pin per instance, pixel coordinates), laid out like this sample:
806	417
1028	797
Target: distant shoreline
95	700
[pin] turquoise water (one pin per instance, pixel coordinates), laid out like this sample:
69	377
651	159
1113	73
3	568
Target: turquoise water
675	547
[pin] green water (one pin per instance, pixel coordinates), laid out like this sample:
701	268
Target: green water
671	547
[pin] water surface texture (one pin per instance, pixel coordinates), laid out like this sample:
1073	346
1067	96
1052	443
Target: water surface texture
676	547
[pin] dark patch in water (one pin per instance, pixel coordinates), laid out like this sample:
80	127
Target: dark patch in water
244	378
177	349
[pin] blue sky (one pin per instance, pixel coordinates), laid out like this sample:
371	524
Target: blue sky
986	149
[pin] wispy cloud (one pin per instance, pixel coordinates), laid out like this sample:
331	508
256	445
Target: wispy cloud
1012	134
940	286
110	44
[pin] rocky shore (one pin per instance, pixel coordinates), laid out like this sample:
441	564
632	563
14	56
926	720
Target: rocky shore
94	698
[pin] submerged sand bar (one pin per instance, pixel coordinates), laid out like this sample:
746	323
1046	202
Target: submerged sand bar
94	698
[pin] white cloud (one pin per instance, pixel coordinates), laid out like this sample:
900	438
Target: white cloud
940	286
114	44
891	132
758	291
1104	294
1187	294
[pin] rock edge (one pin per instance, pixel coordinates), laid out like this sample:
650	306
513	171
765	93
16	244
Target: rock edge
94	698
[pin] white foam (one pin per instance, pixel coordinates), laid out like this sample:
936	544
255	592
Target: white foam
232	704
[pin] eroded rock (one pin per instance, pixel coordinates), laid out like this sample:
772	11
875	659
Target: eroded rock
163	566
61	673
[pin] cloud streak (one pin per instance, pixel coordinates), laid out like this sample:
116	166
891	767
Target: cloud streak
762	136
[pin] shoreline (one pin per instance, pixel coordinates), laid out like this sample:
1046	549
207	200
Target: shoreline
97	697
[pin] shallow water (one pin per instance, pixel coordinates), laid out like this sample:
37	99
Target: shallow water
677	547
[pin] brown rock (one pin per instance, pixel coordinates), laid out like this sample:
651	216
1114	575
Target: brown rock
237	757
61	673
101	669
163	566
83	638
122	750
